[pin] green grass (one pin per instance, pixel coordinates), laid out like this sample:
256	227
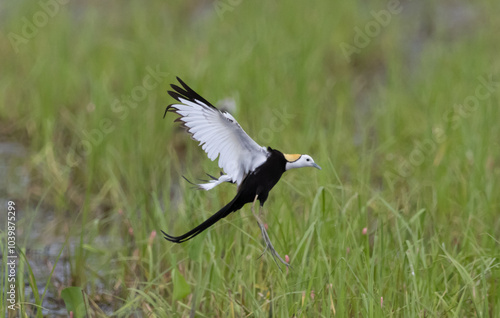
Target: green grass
400	157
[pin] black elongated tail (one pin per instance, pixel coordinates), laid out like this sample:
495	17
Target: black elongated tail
232	206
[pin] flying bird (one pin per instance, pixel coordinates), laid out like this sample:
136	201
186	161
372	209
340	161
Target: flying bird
253	168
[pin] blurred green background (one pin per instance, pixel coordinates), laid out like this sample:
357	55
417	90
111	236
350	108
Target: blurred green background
397	101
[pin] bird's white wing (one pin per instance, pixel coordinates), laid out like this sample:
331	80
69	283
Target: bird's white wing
218	132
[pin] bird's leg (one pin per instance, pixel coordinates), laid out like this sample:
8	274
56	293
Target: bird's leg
259	222
253	204
269	245
260	210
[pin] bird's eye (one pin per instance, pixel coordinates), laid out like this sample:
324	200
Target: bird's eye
308	159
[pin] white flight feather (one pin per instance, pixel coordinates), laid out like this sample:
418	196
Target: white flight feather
220	135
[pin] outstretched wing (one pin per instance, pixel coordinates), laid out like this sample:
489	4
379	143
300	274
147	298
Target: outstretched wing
218	132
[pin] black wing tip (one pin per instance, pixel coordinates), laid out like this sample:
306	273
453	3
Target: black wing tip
187	93
169	108
183	84
175	95
166	110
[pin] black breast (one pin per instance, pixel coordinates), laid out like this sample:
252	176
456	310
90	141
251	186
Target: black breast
263	179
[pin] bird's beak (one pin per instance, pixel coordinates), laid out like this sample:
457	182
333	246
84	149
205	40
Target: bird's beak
316	166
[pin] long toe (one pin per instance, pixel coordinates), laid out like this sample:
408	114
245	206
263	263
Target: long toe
269	245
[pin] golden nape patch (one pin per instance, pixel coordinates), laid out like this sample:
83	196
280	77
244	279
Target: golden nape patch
292	158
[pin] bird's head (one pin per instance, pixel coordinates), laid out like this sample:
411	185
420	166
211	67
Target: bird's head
299	161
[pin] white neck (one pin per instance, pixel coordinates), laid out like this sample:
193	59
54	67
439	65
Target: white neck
292	165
